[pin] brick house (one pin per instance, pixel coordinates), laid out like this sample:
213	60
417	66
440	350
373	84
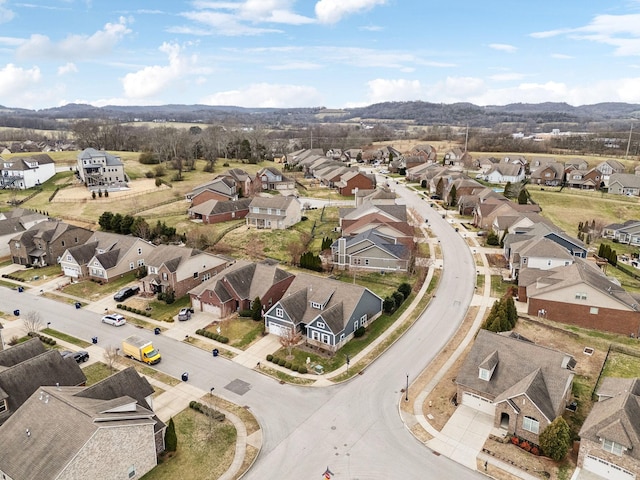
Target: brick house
351	182
44	243
179	269
523	386
217	211
104	428
580	294
610	435
238	286
220	188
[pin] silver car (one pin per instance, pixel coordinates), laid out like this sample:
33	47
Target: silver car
114	319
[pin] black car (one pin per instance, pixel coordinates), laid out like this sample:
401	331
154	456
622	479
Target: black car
79	356
125	293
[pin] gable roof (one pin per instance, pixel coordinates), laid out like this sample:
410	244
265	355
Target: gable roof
20	353
217	207
627	180
616	419
522	368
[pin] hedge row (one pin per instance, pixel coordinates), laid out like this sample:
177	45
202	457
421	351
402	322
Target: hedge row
144	313
212	335
208	411
43	338
283	363
12	277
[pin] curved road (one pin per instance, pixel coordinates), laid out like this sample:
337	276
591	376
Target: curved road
353	428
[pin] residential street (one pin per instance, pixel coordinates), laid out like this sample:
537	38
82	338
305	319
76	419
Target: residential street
354	428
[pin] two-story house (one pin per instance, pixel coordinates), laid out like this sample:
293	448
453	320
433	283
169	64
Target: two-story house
45	243
26	172
271	178
98	168
179	269
275	213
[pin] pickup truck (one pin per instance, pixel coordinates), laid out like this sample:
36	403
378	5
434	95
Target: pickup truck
139	349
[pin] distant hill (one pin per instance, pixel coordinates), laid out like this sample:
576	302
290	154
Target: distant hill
516	115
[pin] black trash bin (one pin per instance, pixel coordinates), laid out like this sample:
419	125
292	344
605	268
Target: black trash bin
185	376
94	340
78	304
215	352
20	289
156	330
16	313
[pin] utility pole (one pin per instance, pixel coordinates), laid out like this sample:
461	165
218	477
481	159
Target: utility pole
466	138
629	142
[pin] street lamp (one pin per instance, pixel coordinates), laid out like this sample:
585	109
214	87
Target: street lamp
406	391
213	397
348	362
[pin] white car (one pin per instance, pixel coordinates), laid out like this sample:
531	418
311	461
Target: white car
114	319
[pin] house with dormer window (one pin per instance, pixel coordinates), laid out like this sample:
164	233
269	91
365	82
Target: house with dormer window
326	312
97	168
523	386
26	172
610	435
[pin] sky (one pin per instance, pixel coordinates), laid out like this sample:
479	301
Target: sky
317	53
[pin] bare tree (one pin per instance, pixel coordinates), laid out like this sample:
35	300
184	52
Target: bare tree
32	322
111	357
290	340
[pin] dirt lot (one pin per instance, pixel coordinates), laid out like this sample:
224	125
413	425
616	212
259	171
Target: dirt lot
80	192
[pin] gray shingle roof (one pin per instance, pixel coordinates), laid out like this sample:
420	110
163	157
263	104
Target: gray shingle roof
522	368
21	352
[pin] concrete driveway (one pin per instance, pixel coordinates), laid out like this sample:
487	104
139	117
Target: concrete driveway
463	436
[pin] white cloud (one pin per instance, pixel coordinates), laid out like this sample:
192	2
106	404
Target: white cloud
561	56
383	90
75	46
295	66
503	47
15	80
220	24
266	95
506	77
332	11
6	15
371	28
69	67
154	79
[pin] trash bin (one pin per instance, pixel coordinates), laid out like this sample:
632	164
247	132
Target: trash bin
94	340
20	289
16	313
185	376
78	304
156	330
215	352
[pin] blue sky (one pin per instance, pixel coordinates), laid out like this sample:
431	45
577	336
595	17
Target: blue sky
309	53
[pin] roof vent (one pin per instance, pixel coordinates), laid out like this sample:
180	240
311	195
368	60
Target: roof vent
28	432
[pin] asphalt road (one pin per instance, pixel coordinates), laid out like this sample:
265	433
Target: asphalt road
353	428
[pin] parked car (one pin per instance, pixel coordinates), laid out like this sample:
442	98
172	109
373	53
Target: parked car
125	293
79	356
185	314
114	319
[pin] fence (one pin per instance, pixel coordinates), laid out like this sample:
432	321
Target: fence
113	196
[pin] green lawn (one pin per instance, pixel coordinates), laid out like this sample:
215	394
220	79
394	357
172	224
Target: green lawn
93	290
67	338
621	365
96	372
241	332
205	449
35	274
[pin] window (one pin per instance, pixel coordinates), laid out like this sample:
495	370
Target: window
320	324
483	374
581	296
548	263
612	447
153	270
279	313
62	243
524	261
3	406
131	265
196	274
132	471
316	305
593	310
139	251
326	339
165	276
531	424
69	258
206	277
141	263
363	320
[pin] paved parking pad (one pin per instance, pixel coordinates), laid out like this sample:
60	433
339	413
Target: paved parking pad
237	386
463	436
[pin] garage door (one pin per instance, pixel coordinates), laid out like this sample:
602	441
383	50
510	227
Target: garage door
606	469
277	329
195	303
210	308
479	403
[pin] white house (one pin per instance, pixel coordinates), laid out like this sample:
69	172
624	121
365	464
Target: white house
26	172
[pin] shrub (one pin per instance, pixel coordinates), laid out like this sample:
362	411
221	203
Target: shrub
170	437
398	297
269	357
304	218
389	305
405	289
359	332
281	362
225	164
526	446
295	368
302	369
515	440
555	440
192	404
149	174
535	450
223	339
287	365
275	359
245	313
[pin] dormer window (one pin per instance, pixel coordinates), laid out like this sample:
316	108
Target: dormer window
484	374
488	366
279	313
316	305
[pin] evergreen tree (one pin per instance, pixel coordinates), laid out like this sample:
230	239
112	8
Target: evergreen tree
453	196
170	437
523	197
512	311
256	309
105	221
555	440
507	190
